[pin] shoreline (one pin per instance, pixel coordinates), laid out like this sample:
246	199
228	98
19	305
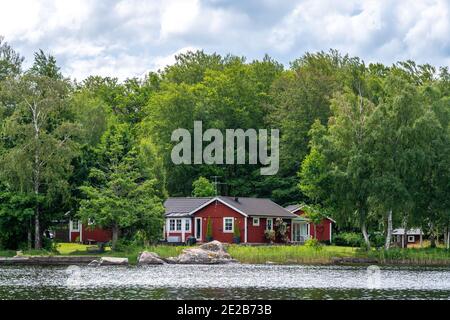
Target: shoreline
86	260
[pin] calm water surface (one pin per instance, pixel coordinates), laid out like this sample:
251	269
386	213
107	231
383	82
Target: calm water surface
224	282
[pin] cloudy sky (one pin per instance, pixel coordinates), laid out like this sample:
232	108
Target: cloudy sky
127	38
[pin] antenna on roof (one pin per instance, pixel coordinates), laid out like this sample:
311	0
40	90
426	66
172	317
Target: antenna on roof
216	183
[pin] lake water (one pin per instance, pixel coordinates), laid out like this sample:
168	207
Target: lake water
224	282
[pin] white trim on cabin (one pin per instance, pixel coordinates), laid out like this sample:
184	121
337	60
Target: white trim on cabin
257	223
221	201
72	229
411	239
245	231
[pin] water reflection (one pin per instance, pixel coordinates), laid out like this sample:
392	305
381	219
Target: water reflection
222	282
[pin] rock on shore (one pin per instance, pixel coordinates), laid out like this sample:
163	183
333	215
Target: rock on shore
149	258
109	261
209	253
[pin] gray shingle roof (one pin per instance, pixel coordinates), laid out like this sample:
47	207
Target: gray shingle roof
401	231
179	207
258	207
293	207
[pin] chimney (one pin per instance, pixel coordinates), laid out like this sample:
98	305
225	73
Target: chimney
236	199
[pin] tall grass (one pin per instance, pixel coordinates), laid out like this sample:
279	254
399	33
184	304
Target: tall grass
288	254
419	256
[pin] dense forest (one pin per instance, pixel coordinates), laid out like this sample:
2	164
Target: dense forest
367	144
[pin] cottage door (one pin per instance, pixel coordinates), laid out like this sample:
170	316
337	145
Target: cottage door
198	229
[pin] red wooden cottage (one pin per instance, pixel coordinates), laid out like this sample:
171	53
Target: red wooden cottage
86	234
187	217
304	229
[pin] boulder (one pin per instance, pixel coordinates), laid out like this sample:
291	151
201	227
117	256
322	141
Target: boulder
149	258
171	260
209	253
110	261
215	246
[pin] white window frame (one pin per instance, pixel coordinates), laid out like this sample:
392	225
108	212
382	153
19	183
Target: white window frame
257	223
78	225
413	239
187	222
271	224
178	225
224	225
172	228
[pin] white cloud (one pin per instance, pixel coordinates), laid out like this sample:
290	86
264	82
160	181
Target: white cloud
126	38
160	62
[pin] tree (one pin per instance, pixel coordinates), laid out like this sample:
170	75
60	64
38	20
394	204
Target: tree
337	171
45	65
202	187
10	60
121	193
38	144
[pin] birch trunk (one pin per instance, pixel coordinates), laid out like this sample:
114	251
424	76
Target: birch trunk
448	238
364	229
387	244
36	177
115	236
432	236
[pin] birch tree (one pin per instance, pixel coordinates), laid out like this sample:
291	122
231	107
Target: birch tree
38	142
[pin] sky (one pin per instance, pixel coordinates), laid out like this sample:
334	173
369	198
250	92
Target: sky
129	38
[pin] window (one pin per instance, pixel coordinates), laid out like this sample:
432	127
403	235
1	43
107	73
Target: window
75	225
256	222
269	224
228	225
177	225
411	239
172	225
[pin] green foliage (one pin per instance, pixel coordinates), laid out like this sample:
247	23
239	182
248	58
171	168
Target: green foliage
10	60
270	235
202	187
123	195
348	239
313	243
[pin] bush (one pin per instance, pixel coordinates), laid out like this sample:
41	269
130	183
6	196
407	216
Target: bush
49	245
377	240
313	243
123	245
270	235
348	239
